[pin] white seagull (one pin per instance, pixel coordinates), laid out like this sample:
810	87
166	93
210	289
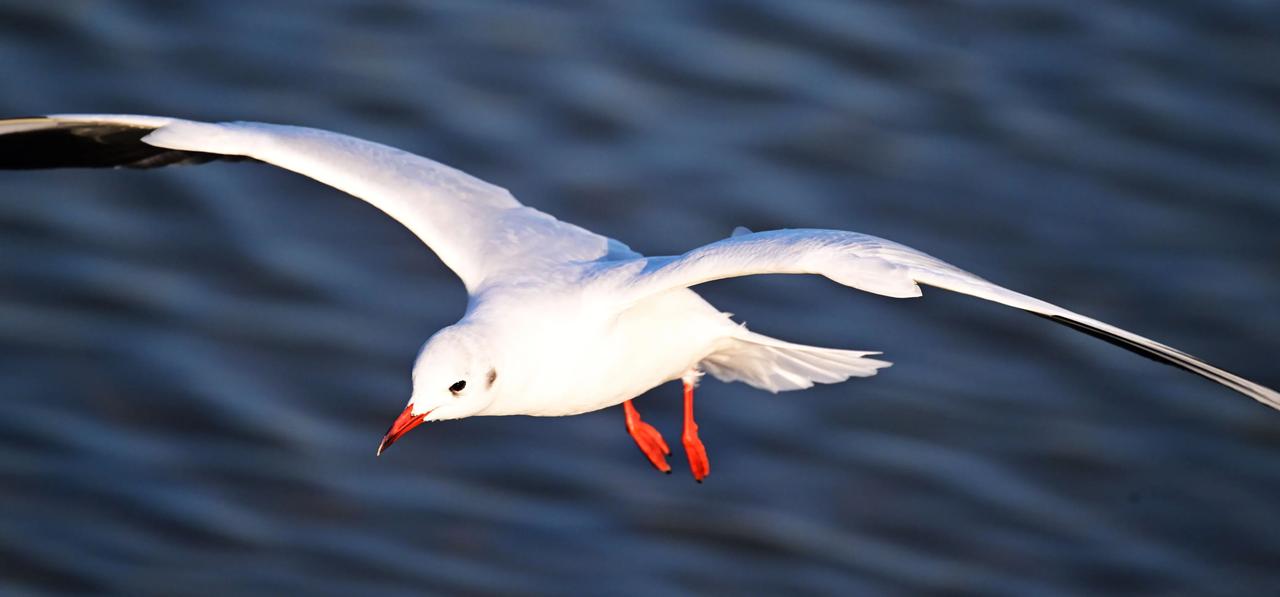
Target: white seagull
560	320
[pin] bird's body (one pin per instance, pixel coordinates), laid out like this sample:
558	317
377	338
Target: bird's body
573	354
560	320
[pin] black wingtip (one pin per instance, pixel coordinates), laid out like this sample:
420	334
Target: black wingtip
70	144
1172	357
1115	340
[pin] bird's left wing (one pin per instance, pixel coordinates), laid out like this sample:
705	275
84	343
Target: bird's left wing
477	229
886	268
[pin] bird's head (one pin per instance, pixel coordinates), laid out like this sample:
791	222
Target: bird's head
452	379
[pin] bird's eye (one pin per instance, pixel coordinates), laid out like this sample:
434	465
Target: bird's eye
457	387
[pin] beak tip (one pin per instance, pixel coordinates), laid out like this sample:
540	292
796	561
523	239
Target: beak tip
406	421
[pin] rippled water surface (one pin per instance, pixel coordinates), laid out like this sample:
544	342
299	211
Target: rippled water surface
196	364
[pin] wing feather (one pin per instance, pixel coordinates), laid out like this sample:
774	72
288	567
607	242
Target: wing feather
887	268
477	229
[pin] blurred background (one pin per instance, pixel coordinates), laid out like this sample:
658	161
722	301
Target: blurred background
196	364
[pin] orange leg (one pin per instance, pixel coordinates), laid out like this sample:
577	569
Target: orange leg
648	438
693	447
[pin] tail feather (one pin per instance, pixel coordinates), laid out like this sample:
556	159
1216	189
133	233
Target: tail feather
777	366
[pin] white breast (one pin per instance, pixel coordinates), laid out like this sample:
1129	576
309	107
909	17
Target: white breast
592	361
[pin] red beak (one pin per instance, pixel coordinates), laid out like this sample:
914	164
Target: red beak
406	421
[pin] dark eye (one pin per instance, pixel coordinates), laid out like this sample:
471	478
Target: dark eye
458	387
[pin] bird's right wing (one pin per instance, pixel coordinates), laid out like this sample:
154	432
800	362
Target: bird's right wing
477	229
882	267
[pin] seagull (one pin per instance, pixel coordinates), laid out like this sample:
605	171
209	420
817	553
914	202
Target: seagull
561	320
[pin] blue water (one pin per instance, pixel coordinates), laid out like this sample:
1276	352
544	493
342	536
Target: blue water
196	364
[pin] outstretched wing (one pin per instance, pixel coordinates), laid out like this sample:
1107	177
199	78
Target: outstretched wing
477	229
890	269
